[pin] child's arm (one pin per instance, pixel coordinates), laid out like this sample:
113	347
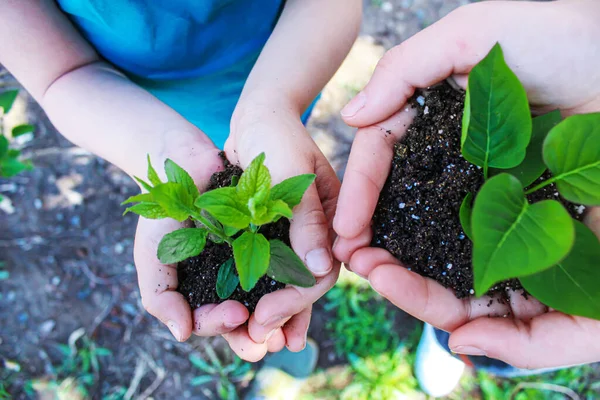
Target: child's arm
307	46
98	108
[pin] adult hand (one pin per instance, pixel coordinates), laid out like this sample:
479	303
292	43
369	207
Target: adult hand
290	151
555	60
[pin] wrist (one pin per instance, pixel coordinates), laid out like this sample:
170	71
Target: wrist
253	107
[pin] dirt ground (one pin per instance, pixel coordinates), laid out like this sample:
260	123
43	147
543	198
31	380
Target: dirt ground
68	249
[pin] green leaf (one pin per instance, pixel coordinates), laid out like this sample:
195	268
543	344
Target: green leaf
291	190
572	153
3	146
202	365
147	210
143	183
174	199
286	267
497	124
255	183
230	231
252	253
223	204
201	380
22	130
234	181
10	167
7	99
512	238
181	245
178	175
572	286
227	280
533	166
103	351
466	213
272	212
139	198
152	175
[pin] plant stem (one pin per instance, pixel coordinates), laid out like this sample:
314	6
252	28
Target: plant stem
211	228
541	185
485	171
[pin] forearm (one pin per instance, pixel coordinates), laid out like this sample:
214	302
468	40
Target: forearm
309	43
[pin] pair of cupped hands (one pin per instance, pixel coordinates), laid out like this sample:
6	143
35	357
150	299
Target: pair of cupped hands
554	50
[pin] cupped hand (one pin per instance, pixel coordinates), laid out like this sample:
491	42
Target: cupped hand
289	151
555	59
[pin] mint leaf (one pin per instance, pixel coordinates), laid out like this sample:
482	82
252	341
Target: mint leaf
147	210
22	130
7	99
230	231
497	121
255	183
181	244
572	153
466	212
512	238
286	267
143	183
223	204
272	212
138	198
227	280
178	175
10	167
152	175
174	199
291	190
251	252
3	146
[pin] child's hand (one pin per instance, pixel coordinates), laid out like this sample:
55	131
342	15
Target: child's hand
289	151
555	58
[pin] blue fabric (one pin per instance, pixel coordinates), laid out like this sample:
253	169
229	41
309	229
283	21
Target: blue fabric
194	55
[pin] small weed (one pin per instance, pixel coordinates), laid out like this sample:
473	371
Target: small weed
224	372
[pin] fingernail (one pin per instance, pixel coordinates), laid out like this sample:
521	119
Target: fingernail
355	105
319	261
174	328
273	321
231	325
335	242
469	350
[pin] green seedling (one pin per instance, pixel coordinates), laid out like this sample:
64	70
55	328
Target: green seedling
233	215
555	257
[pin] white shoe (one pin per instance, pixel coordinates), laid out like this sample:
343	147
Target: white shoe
437	371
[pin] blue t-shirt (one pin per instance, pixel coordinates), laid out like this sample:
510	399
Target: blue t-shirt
194	55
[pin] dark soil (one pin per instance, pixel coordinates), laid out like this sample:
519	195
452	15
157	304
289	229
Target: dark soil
417	217
198	275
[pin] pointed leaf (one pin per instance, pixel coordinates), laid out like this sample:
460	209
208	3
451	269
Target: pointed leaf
152	175
292	189
143	183
465	214
7	99
255	182
533	165
286	267
174	199
147	210
181	245
223	204
201	380
201	364
22	130
227	280
512	238
572	286
139	198
572	153
497	125
252	253
178	175
272	212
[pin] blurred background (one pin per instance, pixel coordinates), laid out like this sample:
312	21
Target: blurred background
71	322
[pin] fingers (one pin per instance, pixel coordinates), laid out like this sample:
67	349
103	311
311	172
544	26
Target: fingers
248	350
549	340
368	167
213	319
343	248
158	282
296	330
366	260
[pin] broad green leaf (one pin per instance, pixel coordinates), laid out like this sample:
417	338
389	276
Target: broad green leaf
152	174
252	253
465	214
3	146
234	181
7	99
178	175
291	190
181	245
497	125
512	238
10	167
22	130
227	280
572	153
533	165
272	212
147	210
230	231
255	183
174	199
138	198
572	286
223	204
286	267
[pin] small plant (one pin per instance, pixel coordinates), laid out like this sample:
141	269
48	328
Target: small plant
554	256
224	373
232	215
